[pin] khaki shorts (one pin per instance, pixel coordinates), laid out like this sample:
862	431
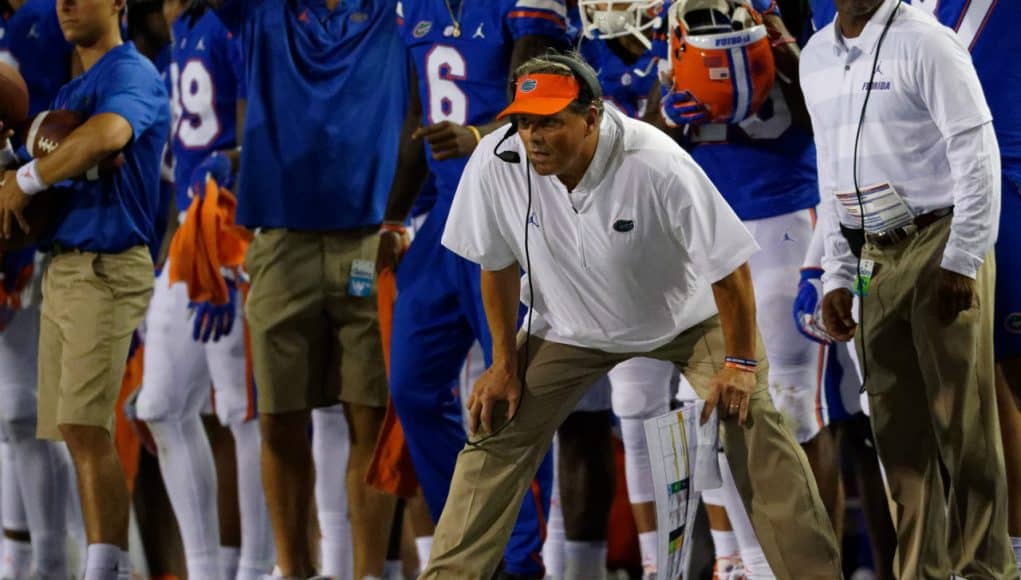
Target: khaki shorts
92	303
313	343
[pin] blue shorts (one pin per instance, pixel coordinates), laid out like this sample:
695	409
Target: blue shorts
1007	333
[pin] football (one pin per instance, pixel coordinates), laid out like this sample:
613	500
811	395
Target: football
45	133
13	97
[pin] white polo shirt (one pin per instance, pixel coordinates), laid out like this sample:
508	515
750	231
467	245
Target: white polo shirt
927	131
624	262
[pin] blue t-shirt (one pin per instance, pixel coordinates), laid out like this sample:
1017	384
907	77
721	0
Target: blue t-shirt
464	79
205	70
327	96
117	211
34	44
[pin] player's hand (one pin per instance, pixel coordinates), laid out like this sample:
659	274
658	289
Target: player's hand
956	293
682	109
217	166
215	320
495	385
392	245
764	7
13	202
730	391
808	307
836	314
447	140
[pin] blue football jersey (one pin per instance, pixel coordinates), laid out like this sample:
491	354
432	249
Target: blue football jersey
626	81
205	68
34	44
117	211
766	167
464	79
327	96
986	27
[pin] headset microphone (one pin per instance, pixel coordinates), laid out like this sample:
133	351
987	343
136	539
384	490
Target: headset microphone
507	156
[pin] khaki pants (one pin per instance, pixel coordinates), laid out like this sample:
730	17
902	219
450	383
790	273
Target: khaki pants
92	303
769	467
932	399
313	343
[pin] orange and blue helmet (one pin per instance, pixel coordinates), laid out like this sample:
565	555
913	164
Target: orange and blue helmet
720	53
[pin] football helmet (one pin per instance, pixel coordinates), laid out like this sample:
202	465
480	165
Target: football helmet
720	53
601	19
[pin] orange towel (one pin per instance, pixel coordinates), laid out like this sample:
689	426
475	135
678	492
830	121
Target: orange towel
126	439
391	469
207	243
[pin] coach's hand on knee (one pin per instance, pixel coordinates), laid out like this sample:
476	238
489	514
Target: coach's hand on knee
836	314
730	390
956	294
497	384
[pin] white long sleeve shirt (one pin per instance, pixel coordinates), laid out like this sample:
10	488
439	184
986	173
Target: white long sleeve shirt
927	132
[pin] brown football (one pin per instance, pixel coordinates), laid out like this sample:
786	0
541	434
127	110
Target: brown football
13	97
45	133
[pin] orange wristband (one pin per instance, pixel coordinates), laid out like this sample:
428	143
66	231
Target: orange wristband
396	227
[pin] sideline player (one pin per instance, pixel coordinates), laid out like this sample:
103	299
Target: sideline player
182	358
774	193
462	55
99	280
326	96
34	45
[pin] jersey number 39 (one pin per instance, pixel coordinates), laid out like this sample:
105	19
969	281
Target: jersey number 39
195	123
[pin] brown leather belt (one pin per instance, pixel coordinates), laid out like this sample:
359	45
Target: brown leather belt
895	235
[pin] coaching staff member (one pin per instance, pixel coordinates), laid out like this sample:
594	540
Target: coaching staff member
899	116
628	246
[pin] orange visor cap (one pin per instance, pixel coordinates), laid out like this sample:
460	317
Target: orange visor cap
542	94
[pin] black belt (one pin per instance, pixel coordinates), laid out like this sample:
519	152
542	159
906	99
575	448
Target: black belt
892	236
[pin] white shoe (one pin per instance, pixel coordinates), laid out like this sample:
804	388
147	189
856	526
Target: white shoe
728	568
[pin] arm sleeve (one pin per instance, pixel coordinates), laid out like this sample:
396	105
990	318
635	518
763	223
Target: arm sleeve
712	235
816	247
538	17
975	165
237	66
950	89
132	92
473	226
838	263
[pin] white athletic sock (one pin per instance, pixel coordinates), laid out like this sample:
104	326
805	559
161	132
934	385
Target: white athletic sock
331	446
725	543
257	551
103	562
186	463
42	468
392	570
335	545
754	560
124	566
553	547
637	464
648	544
424	546
229	559
17	559
585	560
1016	543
